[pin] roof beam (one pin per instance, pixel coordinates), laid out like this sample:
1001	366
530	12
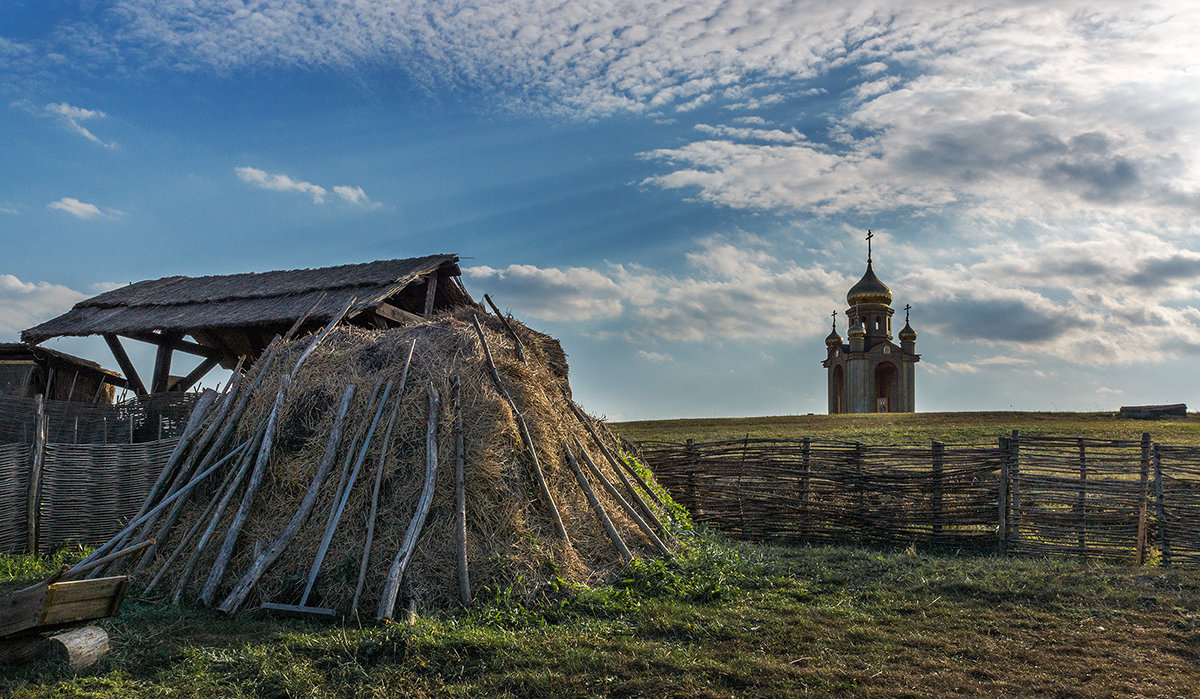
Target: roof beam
395	314
196	374
175	341
131	375
430	292
162	362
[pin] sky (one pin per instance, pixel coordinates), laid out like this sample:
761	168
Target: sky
678	190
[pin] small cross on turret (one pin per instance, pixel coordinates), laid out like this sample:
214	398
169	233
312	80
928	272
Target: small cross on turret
869	236
906	309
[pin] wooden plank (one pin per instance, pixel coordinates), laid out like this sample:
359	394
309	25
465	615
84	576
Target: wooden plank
21	610
397	315
80	590
430	293
196	374
131	375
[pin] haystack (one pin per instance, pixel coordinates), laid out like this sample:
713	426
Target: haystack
322	451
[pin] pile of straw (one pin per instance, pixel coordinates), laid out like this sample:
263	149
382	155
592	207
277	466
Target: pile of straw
513	545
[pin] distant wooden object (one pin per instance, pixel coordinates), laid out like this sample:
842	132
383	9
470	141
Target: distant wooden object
57	605
1153	412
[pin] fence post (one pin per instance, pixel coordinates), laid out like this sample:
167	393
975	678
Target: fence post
1160	510
805	493
34	500
1014	472
1081	497
1142	497
938	450
1002	513
693	465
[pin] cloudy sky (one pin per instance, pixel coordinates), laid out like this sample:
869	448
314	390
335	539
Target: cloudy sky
678	189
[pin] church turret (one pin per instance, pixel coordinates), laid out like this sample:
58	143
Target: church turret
871	373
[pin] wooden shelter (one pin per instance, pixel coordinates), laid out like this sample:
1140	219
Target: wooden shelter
27	371
227	319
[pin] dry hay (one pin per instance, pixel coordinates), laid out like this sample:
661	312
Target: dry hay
512	544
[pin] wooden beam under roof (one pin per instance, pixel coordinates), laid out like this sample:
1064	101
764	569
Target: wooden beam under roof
131	375
175	341
196	374
162	362
397	315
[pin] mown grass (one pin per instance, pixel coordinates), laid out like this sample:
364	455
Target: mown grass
915	428
727	619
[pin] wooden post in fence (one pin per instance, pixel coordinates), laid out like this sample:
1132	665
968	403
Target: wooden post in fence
1014	472
1142	497
34	499
1160	510
938	453
805	492
1002	514
693	465
1081	497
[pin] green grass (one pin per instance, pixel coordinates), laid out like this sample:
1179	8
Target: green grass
728	619
915	428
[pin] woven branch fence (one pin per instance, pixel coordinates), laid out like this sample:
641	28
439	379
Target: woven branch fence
1119	500
76	473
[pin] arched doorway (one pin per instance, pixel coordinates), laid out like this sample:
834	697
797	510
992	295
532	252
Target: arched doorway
885	388
837	391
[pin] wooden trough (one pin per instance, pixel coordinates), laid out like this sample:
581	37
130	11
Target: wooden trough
27	614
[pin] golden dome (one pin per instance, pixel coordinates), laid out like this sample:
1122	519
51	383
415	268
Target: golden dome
833	339
869	290
908	333
857	329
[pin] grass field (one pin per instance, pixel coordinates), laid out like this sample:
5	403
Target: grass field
915	428
731	619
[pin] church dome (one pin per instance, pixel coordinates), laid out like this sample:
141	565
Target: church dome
833	339
869	290
908	333
857	329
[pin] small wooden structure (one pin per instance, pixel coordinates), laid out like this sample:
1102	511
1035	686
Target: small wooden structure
27	371
232	318
1153	412
27	614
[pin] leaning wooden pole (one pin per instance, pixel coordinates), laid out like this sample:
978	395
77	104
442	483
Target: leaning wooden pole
387	602
460	499
242	589
616	539
616	495
525	436
612	460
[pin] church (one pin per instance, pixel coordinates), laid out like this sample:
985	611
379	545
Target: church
870	373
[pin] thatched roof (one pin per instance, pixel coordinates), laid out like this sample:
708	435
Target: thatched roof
10	351
184	304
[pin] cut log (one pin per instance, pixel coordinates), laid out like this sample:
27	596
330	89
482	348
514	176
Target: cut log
78	648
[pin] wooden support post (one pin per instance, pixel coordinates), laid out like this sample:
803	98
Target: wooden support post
1081	498
1160	510
196	374
460	499
1143	494
131	375
1014	473
938	454
508	327
162	362
430	293
1002	488
34	499
805	486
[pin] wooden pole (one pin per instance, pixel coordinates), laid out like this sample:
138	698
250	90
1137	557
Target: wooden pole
131	375
1142	498
1160	510
430	292
1014	472
205	366
1002	487
460	498
616	495
601	515
508	327
34	496
387	601
237	596
162	362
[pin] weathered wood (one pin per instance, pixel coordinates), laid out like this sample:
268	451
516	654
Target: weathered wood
387	601
526	437
237	596
345	496
616	495
174	341
613	461
1014	488
162	362
431	282
1002	513
34	496
131	375
1081	497
1143	496
508	327
613	536
460	499
78	648
201	370
397	315
1160	509
47	606
110	558
938	456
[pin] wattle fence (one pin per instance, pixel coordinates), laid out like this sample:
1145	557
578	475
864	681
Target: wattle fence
75	473
1122	500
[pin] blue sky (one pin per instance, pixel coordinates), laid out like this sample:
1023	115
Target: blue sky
678	190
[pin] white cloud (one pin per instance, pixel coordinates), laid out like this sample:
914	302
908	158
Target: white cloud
70	117
284	183
82	209
655	356
8	210
25	304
